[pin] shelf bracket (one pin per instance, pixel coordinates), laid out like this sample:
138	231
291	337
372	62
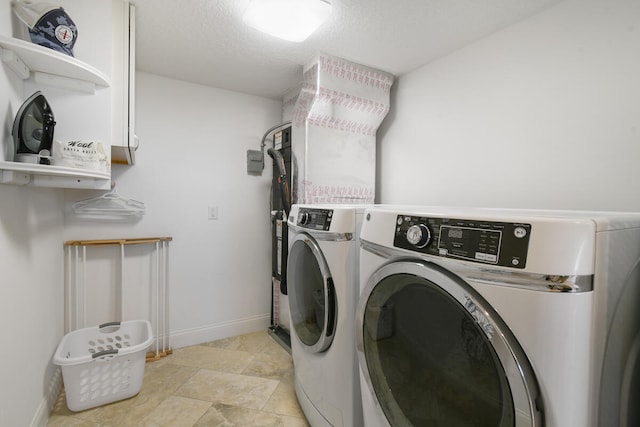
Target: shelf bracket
14	62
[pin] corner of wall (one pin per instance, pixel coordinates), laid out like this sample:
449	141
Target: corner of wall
48	402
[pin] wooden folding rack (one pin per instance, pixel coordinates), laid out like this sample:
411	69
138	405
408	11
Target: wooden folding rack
76	280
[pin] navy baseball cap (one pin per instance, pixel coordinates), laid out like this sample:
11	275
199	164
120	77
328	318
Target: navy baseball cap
49	25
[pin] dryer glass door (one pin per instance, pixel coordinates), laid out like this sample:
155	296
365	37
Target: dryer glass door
312	300
430	360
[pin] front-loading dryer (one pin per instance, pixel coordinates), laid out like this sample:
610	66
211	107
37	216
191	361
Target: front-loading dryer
478	317
322	273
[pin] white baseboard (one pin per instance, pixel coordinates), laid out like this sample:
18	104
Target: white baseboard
41	417
187	337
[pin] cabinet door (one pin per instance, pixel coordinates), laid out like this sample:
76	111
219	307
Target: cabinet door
125	142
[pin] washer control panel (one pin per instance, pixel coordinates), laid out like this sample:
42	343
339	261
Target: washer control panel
314	219
498	243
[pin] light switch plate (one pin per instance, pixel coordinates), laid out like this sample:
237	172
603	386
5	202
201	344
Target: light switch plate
213	212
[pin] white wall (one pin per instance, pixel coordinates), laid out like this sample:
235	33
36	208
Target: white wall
544	114
193	143
31	304
31	228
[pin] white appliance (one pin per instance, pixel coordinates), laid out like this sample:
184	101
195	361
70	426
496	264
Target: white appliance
499	318
335	119
322	273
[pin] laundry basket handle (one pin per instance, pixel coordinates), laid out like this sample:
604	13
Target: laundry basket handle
104	325
104	353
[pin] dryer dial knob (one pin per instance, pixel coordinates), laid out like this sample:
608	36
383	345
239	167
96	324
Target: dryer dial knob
304	218
419	235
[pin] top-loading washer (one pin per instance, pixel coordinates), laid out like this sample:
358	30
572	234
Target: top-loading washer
478	317
322	273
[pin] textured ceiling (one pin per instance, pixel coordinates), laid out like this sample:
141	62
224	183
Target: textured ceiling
206	42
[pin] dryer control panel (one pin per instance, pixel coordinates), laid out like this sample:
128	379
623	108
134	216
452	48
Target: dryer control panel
488	242
314	219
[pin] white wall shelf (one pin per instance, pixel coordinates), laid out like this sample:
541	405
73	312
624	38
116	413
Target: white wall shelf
39	59
53	68
18	173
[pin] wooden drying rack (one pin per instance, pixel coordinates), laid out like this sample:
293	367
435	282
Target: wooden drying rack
134	241
75	316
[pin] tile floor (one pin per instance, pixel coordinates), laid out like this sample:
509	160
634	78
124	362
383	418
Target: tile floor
241	381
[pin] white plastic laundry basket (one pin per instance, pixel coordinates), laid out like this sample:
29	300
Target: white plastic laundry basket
103	364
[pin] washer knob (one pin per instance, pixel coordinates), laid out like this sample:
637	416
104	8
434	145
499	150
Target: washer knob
304	218
419	235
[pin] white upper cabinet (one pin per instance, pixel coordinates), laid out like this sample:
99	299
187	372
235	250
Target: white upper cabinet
124	143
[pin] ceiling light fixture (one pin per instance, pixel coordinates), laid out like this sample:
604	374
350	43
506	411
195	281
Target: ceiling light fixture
292	20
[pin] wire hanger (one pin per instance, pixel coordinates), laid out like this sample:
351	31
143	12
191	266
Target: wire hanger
109	204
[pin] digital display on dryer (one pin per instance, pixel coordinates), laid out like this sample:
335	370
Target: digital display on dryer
455	233
470	243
